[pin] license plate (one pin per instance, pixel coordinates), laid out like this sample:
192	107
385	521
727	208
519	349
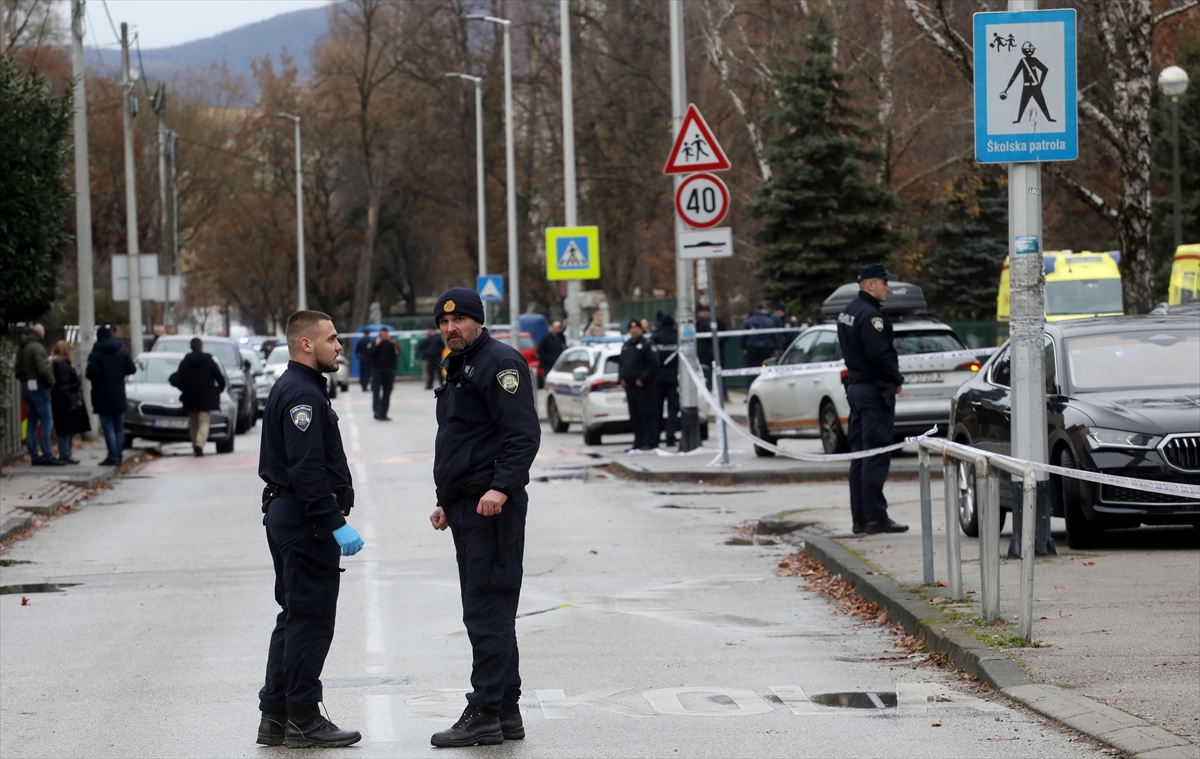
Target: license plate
171	424
918	378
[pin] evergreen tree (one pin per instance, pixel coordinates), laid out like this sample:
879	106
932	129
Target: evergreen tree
961	274
35	127
822	216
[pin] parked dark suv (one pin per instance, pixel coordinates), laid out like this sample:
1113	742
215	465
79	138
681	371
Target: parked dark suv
241	380
1123	398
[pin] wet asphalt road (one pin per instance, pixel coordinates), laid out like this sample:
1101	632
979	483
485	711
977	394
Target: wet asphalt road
642	633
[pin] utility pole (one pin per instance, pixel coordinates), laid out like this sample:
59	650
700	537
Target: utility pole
1026	324
685	296
480	193
301	277
83	204
131	219
165	157
570	194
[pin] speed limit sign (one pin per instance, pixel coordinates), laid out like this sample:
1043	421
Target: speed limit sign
702	200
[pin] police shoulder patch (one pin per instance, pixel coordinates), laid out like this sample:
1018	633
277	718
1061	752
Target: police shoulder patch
510	380
301	416
877	323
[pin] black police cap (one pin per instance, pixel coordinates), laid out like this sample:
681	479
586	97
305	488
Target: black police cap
458	300
875	271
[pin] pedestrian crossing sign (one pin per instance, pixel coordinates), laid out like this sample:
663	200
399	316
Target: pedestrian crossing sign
572	253
490	288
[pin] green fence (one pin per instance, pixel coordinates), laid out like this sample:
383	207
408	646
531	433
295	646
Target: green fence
981	334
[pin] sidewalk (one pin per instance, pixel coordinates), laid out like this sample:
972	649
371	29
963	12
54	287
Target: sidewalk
26	491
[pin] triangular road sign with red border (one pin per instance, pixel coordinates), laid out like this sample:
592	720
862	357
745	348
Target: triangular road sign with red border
695	147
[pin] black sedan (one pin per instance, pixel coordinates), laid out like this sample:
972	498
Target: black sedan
153	409
1123	398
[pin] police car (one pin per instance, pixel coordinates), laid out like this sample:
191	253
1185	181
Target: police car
578	372
813	403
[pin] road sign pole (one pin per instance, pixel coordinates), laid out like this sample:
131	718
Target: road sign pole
574	286
83	211
685	297
1026	323
131	219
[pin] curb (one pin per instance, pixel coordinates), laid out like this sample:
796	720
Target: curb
13	525
918	617
819	473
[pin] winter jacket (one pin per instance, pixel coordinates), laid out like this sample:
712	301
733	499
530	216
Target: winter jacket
33	362
759	320
200	382
664	341
66	401
107	367
550	348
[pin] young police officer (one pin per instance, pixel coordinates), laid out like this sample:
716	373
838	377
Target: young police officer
637	370
488	435
306	500
872	381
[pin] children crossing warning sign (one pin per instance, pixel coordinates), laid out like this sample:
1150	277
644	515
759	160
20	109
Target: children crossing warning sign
696	149
572	253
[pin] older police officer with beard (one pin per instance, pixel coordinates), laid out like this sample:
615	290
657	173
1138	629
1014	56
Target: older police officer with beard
872	380
488	435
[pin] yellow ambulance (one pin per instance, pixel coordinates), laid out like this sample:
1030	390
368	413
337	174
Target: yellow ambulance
1185	276
1078	285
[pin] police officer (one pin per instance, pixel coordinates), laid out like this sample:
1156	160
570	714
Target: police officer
636	371
872	381
306	501
664	341
488	435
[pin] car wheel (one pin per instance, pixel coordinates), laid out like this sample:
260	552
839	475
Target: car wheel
591	437
556	422
242	424
833	437
968	514
225	446
1081	532
758	428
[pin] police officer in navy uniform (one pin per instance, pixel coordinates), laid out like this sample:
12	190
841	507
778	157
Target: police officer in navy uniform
488	435
873	378
637	370
306	501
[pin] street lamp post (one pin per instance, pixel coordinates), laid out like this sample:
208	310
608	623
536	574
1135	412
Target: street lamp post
480	208
302	289
570	194
1173	81
510	175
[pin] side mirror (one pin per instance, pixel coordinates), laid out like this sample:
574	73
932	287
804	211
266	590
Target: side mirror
580	374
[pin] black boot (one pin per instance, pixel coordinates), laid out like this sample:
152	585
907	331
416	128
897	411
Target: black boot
197	450
270	729
859	528
312	729
885	525
510	722
474	727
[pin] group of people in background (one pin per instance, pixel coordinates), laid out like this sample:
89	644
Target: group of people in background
378	356
649	371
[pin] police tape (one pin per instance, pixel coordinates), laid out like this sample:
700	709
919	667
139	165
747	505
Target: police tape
839	364
739	332
816	457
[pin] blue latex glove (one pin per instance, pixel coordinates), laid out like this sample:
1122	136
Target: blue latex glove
347	537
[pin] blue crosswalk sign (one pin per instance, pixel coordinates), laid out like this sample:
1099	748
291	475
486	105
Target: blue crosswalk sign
490	288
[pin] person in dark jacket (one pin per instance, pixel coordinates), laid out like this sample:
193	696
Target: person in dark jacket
759	348
384	356
362	351
551	346
664	341
488	436
108	366
200	382
872	380
431	353
636	371
70	415
37	380
704	345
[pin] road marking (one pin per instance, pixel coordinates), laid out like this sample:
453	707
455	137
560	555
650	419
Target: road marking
446	703
380	727
556	705
666	701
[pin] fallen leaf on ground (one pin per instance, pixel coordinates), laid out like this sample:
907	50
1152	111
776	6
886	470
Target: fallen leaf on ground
25	601
936	724
1063	587
593	551
1089	563
784	565
1056	616
941	584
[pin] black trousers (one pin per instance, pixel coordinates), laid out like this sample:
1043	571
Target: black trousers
364	373
382	381
307	578
872	425
756	356
433	373
668	394
641	416
490	553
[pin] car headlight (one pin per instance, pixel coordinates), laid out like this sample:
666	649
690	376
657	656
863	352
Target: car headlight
1102	438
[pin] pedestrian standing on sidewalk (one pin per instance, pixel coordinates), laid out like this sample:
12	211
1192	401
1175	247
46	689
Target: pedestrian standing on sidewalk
551	346
362	351
200	382
759	348
872	380
307	498
384	356
431	353
636	370
704	345
488	435
665	342
596	326
36	375
70	415
108	366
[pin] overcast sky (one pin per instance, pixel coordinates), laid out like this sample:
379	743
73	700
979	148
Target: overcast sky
163	23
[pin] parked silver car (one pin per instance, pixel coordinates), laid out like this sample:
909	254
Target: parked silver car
153	410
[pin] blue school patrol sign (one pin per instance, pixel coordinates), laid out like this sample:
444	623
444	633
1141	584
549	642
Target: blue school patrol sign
1025	87
490	288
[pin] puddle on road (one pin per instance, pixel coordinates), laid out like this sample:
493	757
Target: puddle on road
689	508
856	700
36	587
364	682
706	492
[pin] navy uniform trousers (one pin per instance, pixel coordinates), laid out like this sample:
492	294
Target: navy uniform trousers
641	416
307	578
490	552
872	425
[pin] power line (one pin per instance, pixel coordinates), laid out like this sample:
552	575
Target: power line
111	25
96	46
137	40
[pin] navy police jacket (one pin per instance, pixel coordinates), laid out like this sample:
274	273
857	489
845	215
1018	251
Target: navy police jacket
637	362
488	428
301	446
865	335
